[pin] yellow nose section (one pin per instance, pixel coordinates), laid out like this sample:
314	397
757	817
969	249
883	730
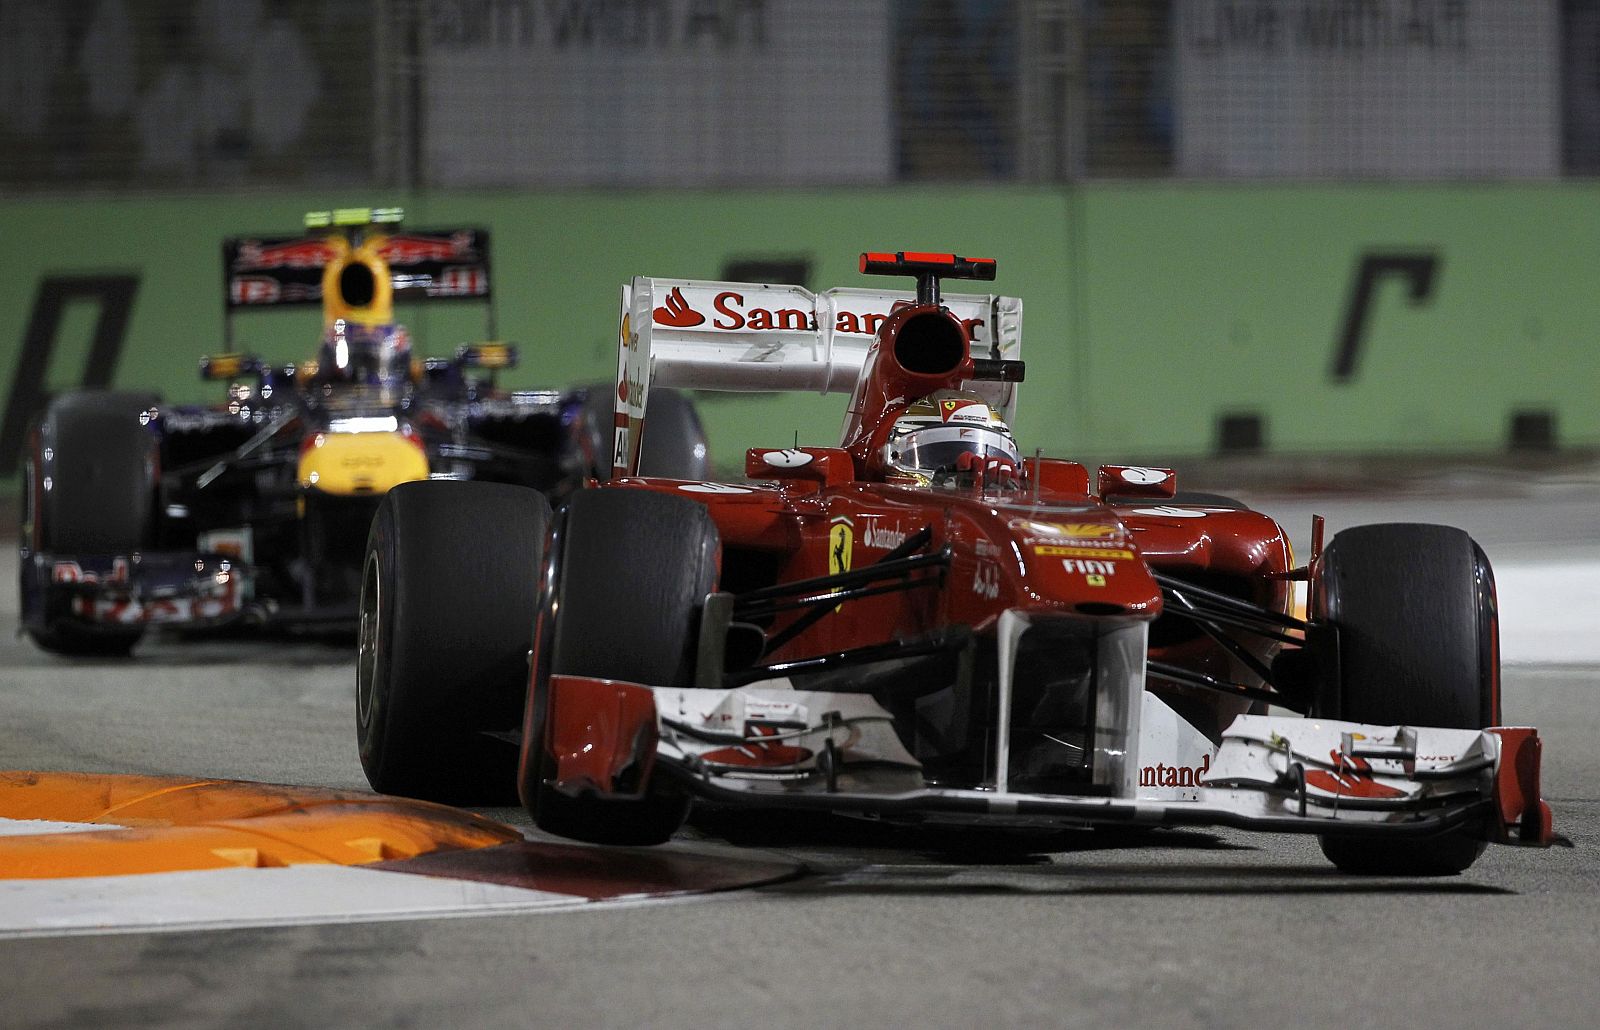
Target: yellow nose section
361	463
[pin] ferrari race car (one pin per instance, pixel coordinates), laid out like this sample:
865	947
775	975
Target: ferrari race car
138	513
920	624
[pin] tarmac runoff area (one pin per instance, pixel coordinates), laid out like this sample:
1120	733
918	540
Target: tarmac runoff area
106	853
1183	929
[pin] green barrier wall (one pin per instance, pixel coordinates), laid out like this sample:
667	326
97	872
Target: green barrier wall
1151	310
1194	301
559	260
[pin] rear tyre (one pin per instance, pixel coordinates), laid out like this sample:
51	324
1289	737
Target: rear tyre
449	588
1199	498
90	490
1418	626
1208	500
625	577
674	444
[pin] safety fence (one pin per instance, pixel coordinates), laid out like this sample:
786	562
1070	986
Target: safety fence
449	94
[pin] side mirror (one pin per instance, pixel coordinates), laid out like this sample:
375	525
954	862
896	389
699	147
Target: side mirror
1057	475
1137	481
825	466
229	366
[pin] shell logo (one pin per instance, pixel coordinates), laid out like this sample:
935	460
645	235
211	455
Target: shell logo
1086	530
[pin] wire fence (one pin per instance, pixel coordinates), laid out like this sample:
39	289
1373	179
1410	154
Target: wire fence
243	94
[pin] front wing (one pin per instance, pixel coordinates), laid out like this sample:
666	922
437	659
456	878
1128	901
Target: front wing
839	753
165	588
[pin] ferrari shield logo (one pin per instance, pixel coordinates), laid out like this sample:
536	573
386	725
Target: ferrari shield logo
841	539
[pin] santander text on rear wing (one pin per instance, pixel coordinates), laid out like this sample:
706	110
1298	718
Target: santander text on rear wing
761	337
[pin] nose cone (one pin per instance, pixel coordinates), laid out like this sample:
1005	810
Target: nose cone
360	463
1090	566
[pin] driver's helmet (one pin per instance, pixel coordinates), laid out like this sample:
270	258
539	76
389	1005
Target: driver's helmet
372	356
932	434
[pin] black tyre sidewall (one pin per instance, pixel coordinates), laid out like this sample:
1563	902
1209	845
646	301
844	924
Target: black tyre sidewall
1418	626
103	490
457	567
1195	498
674	441
625	578
636	565
102	498
1413	621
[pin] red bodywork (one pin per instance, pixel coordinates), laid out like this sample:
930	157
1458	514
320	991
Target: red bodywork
1004	555
1038	547
1047	545
1036	577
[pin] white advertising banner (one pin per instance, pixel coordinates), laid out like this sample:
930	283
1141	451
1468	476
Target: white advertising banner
1368	88
657	92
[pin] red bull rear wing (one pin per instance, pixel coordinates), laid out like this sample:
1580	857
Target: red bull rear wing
274	271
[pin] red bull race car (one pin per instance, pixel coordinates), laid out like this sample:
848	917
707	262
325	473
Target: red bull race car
923	624
140	513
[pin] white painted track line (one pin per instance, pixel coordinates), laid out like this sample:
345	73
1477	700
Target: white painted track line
228	898
1549	612
33	827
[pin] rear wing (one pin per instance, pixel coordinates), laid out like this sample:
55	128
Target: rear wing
272	271
759	337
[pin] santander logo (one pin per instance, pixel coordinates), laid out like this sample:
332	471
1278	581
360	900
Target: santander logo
730	313
677	312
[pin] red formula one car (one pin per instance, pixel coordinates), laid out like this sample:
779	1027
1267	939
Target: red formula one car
921	624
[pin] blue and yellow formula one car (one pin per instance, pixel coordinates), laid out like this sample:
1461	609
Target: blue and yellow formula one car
138	513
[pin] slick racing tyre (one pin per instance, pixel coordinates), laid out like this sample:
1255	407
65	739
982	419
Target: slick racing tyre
89	489
625	576
1198	498
449	587
1418	626
1208	500
674	444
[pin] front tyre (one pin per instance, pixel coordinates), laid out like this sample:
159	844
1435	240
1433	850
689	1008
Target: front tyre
449	588
625	576
1418	626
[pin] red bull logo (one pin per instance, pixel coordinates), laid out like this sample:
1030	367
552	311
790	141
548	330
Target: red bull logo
310	253
411	250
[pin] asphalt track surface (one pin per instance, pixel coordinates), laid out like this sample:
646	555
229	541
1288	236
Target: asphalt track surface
887	928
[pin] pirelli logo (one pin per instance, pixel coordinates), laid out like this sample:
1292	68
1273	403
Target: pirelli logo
1062	551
